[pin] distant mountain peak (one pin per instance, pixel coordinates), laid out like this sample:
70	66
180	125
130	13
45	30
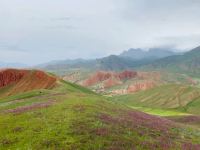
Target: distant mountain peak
152	53
187	63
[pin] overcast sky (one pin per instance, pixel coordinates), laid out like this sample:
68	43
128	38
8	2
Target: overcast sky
37	31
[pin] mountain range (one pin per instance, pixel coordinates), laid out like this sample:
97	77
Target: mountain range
130	59
152	53
187	63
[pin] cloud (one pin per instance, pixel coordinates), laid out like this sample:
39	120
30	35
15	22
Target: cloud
72	29
183	43
61	19
14	56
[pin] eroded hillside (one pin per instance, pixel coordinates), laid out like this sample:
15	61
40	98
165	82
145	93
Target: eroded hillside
127	81
13	81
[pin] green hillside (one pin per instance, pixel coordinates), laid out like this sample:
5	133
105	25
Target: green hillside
72	117
188	63
171	96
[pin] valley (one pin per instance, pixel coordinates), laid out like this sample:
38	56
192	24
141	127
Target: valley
64	115
99	75
99	109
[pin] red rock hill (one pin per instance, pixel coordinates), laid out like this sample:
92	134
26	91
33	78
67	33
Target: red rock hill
9	76
110	78
19	81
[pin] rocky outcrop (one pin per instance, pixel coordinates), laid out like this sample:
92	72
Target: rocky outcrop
73	77
126	75
97	77
111	82
110	78
43	80
9	76
24	80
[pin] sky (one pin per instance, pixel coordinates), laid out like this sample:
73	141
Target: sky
38	31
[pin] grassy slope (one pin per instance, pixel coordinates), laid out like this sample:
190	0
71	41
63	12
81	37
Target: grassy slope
170	96
79	119
179	103
189	63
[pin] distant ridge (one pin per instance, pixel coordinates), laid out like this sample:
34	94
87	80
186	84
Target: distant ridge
130	59
152	53
187	63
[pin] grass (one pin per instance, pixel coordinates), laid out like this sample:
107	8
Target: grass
160	112
78	87
25	95
80	119
179	103
170	96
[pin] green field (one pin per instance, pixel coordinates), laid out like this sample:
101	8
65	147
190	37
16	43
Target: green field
72	117
170	96
177	102
160	112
